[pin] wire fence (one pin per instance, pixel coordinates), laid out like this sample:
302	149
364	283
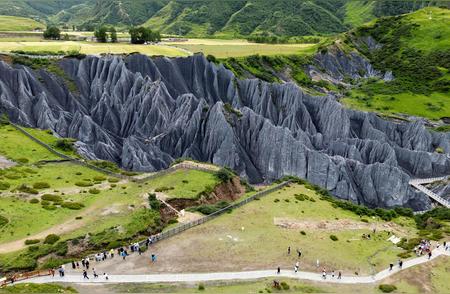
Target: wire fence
186	226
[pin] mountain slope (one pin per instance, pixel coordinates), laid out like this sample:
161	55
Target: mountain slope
416	49
144	113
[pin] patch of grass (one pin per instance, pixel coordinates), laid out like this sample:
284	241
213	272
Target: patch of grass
197	181
238	48
38	288
255	223
92	48
51	239
16	23
386	288
13	146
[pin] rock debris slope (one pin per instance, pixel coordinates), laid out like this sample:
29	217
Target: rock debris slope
143	113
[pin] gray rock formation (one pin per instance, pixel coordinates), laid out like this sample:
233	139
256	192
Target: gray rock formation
143	113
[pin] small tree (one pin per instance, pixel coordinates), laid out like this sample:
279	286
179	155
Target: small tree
101	34
140	35
113	35
52	33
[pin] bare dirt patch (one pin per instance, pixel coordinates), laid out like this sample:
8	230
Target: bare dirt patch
5	163
333	225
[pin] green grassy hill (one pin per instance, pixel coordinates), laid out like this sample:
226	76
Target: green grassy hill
416	48
14	23
214	17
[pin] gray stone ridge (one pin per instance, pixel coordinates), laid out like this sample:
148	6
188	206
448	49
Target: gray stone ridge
143	113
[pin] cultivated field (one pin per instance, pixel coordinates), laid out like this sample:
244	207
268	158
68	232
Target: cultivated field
238	48
92	48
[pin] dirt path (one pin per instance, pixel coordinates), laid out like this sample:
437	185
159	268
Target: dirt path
63	228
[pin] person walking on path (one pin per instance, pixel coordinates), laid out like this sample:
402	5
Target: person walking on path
87	263
391	265
332	274
83	263
429	255
153	257
85	276
94	273
278	270
324	274
52	272
111	252
299	252
106	276
74	266
78	265
400	263
339	275
289	250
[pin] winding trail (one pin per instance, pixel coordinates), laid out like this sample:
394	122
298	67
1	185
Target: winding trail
248	275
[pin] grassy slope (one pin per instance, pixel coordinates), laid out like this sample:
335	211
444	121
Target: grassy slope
257	219
358	12
195	182
410	103
12	146
434	30
113	205
428	36
15	23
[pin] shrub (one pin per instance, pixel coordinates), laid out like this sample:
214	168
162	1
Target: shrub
408	244
4	185
284	285
49	207
387	288
22	160
51	239
41	185
172	221
32	241
94	191
163	189
276	200
83	184
224	174
51	197
364	220
72	205
65	144
45	202
404	255
3	221
334	237
201	287
303	233
34	201
153	201
113	180
26	189
99	178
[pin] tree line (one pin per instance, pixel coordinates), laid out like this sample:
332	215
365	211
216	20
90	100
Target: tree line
103	34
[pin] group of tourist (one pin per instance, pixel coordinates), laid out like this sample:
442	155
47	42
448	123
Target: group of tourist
297	266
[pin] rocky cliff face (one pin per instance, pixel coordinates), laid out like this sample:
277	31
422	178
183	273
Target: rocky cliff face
143	113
